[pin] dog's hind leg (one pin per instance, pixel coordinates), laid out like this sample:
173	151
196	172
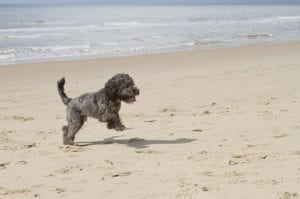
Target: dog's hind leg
71	131
75	122
65	131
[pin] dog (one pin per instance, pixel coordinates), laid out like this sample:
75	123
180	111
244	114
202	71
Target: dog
104	105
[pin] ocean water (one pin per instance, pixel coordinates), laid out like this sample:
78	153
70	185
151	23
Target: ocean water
53	32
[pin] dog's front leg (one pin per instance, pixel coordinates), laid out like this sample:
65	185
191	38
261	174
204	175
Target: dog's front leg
114	122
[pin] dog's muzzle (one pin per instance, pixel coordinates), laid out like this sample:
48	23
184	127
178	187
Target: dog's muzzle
136	91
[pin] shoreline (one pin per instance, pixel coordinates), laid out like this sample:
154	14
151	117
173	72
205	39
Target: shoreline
94	58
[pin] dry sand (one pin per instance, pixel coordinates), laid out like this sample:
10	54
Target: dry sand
219	123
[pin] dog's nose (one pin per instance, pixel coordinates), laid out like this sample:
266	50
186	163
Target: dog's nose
136	91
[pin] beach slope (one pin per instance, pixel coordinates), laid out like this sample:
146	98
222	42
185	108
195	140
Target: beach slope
218	123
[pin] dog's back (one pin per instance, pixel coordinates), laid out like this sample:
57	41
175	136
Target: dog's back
90	104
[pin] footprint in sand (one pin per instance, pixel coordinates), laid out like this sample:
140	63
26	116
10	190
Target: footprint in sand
296	127
205	188
116	174
109	162
58	117
239	159
224	110
171	111
22	162
28	146
206	113
5	132
18	118
297	152
147	151
265	114
22	118
245	158
150	121
280	136
3	165
14	147
139	115
234	174
269	101
197	130
288	195
73	149
208	174
4	191
65	170
59	190
72	169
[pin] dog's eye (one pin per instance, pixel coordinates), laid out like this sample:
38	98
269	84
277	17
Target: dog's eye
129	85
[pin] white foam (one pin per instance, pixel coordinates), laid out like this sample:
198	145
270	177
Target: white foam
29	36
51	29
5	57
292	18
129	23
58	48
7	54
256	36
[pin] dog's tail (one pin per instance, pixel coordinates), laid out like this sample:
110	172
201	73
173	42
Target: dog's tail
61	91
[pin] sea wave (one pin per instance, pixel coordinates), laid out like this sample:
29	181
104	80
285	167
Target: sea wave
128	23
203	42
292	18
256	36
7	54
31	36
5	57
106	44
275	19
260	20
46	29
197	19
58	48
44	51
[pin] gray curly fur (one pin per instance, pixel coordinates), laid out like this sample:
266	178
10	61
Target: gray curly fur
103	105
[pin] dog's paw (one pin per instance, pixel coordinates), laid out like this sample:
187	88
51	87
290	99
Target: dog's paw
110	125
120	128
67	141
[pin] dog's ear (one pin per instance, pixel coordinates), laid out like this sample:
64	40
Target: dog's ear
111	87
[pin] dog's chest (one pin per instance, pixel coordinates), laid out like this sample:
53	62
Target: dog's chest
108	109
113	106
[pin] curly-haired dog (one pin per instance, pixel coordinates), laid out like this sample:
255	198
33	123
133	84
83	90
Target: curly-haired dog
103	105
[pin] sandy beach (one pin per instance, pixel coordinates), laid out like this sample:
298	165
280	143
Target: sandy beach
217	123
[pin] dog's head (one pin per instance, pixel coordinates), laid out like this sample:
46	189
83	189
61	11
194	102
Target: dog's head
122	87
